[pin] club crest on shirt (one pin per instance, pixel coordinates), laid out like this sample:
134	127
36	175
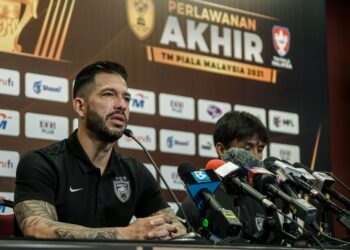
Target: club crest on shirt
259	221
121	187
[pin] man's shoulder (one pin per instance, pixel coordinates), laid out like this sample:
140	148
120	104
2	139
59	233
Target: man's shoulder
127	159
130	164
52	150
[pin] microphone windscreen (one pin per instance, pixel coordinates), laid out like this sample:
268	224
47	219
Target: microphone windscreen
185	167
214	164
242	158
128	132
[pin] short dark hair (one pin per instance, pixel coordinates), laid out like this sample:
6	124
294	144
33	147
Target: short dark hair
239	125
87	75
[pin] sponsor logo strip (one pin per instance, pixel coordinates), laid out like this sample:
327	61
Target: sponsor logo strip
171	177
146	135
46	87
8	163
9	122
177	142
47	127
9	82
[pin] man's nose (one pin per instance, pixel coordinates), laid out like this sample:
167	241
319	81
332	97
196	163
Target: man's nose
255	151
121	103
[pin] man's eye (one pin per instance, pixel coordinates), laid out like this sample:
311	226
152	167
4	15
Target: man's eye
247	147
127	99
108	94
261	149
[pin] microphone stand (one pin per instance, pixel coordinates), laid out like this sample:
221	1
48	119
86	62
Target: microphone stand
192	233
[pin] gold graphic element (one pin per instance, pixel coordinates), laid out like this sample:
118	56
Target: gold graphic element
11	24
52	37
53	32
211	64
317	143
141	16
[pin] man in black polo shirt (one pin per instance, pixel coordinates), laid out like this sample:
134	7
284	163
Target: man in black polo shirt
81	187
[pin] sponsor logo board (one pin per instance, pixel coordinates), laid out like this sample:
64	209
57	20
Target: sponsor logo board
146	135
175	106
177	142
47	127
211	111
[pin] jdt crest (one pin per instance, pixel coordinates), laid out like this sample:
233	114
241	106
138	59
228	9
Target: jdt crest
122	188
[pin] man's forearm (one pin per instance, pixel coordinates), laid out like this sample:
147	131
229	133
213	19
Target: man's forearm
39	219
44	228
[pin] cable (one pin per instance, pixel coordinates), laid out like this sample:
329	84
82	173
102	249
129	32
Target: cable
338	180
303	229
189	227
334	239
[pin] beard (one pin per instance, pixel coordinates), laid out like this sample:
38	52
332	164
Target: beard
96	124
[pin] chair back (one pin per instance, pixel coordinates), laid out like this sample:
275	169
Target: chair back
6	220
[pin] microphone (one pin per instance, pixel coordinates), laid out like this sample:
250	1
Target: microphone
200	185
289	169
228	171
324	183
229	175
265	182
342	215
242	158
192	234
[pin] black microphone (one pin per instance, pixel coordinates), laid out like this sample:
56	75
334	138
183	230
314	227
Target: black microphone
324	183
285	181
265	182
192	233
200	185
289	169
229	173
342	215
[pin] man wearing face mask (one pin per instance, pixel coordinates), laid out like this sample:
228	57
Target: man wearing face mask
81	187
240	130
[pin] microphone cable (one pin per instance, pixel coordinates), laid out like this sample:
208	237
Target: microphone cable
302	228
338	180
129	133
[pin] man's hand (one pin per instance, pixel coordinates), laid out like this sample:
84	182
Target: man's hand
154	227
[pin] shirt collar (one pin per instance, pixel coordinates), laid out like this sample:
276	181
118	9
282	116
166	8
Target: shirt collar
77	150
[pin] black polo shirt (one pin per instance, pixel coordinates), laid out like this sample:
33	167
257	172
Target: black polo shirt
62	175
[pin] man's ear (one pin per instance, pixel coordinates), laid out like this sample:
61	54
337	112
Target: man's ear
79	107
220	149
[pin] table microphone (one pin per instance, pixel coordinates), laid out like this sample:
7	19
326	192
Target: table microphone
192	233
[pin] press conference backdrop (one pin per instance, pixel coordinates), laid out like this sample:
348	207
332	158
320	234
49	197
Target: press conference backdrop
188	61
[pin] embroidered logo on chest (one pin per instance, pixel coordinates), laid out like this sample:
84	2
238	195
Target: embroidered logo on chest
122	188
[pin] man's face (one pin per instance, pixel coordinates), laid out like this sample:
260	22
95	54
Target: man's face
107	107
253	145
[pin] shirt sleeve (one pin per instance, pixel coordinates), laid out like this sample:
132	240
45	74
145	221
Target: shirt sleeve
35	179
150	198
